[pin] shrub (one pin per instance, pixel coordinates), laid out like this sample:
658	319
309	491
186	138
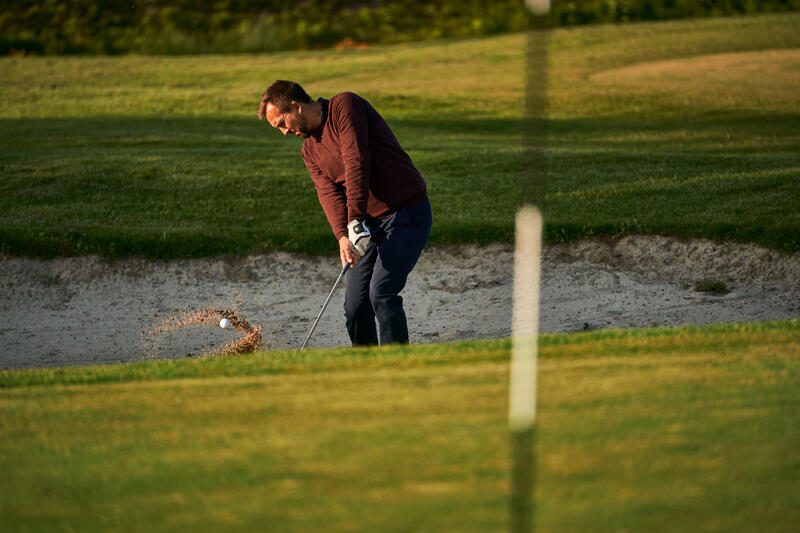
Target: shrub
192	26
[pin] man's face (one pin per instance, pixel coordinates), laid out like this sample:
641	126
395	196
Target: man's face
292	122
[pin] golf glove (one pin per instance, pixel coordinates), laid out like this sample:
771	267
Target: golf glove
359	235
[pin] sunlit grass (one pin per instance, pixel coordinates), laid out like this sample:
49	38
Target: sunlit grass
691	428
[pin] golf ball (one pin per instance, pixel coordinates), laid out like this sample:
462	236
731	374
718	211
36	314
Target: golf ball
224	323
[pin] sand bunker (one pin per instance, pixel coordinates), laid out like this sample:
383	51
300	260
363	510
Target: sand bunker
80	311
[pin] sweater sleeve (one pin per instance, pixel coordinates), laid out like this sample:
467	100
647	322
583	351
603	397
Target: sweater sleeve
331	196
350	115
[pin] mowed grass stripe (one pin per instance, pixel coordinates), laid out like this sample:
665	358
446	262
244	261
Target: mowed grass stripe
771	178
686	429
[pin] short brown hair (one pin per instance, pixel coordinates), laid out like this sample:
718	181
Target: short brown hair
281	94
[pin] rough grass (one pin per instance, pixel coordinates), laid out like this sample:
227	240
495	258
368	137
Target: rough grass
687	128
686	429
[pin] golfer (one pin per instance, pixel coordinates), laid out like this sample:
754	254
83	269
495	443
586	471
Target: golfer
374	198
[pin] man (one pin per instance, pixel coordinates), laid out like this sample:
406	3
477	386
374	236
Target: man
374	198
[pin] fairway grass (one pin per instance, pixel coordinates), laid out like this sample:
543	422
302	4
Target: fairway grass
688	128
685	429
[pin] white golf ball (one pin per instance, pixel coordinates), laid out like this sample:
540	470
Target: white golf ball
224	323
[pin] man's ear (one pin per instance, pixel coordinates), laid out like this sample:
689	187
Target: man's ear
298	107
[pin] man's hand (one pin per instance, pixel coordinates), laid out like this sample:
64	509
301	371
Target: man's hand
359	235
347	253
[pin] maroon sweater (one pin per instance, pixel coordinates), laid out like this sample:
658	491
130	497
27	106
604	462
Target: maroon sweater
357	166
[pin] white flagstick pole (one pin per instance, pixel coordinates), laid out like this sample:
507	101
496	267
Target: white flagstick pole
527	272
522	382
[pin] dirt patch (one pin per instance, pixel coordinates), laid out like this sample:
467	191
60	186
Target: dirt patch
81	311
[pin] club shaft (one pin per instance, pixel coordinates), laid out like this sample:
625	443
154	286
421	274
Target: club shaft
328	299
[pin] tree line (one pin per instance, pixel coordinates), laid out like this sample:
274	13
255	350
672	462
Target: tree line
195	26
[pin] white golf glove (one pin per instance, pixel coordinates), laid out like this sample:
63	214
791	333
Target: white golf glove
359	235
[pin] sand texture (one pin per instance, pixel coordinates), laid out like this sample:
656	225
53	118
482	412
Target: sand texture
86	310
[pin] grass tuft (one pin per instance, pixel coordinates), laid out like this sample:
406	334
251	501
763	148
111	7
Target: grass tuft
713	287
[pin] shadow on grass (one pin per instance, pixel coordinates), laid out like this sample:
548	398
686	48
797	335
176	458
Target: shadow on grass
192	187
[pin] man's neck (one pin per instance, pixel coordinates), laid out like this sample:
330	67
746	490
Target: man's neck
316	114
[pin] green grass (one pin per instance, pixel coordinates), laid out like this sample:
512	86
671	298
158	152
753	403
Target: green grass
163	156
686	429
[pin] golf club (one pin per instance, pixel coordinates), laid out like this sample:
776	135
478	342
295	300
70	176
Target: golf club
328	299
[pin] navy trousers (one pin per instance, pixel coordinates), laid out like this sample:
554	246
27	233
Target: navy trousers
374	284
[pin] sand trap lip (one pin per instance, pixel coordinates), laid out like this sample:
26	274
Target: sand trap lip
81	311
